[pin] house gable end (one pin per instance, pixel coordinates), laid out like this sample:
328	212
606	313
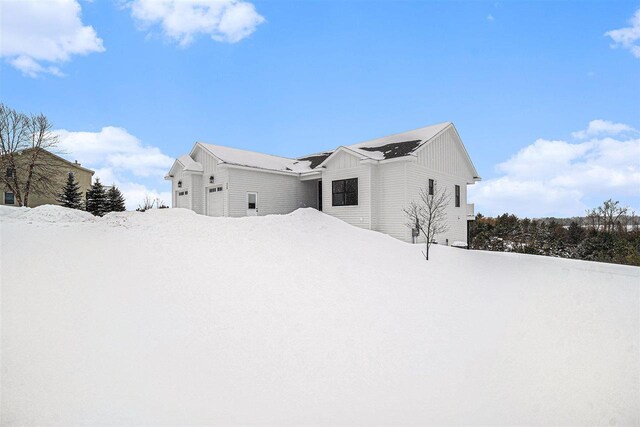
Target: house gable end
342	158
446	153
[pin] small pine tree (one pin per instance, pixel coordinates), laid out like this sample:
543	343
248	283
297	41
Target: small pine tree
115	200
71	197
97	202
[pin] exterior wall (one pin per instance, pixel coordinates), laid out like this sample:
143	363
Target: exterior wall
181	201
82	176
391	200
277	193
344	166
417	177
446	154
220	175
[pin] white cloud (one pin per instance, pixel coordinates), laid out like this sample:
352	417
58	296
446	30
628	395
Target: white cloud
602	127
490	17
135	193
37	32
182	20
116	148
560	178
628	37
120	158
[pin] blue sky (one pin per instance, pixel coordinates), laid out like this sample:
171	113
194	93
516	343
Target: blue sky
546	100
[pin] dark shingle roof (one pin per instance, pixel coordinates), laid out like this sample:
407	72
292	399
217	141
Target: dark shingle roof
316	159
395	149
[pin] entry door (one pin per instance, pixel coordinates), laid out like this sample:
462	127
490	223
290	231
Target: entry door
320	196
252	204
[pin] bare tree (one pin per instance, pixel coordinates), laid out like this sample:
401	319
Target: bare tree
428	215
147	203
25	167
607	217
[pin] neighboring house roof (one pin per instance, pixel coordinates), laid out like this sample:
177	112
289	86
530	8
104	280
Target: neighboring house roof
388	147
75	164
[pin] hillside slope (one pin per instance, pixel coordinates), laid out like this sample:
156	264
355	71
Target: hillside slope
167	317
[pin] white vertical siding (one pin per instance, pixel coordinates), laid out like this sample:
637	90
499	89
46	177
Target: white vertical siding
446	154
345	166
277	193
391	193
181	201
211	167
197	194
418	176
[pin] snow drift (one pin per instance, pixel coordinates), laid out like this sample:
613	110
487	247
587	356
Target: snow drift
167	317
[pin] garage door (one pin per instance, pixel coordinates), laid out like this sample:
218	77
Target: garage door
182	199
215	201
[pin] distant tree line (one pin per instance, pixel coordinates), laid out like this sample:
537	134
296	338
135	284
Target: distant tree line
608	233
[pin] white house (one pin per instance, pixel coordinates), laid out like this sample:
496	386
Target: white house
366	184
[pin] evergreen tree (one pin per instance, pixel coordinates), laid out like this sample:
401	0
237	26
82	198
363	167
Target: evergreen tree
71	197
97	202
115	200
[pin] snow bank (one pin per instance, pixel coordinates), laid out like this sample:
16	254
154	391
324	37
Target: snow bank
44	213
167	317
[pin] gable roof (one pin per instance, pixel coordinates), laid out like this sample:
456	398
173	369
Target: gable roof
398	145
394	146
238	157
189	165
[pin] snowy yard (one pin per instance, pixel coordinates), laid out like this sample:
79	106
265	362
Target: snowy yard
167	317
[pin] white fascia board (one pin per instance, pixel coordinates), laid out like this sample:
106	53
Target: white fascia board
308	176
360	156
203	147
255	169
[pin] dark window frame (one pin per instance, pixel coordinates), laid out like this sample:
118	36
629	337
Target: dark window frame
13	198
457	190
10	172
431	187
344	192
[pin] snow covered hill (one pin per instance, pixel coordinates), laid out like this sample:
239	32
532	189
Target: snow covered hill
167	317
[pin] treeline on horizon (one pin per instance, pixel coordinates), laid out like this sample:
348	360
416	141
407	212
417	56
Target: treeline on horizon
609	233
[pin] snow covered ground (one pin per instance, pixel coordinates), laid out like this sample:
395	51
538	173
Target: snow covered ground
167	317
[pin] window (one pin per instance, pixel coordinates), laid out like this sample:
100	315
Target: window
431	187
10	172
211	179
344	192
213	190
457	196
181	193
9	199
186	192
220	188
251	200
179	184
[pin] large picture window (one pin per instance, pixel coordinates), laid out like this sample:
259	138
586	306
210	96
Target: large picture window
344	192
